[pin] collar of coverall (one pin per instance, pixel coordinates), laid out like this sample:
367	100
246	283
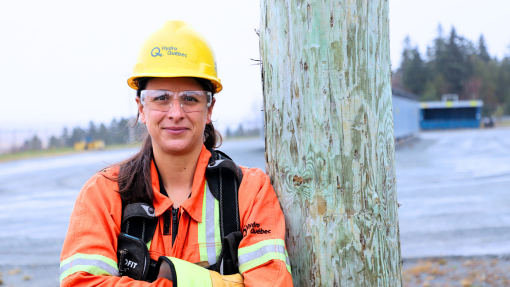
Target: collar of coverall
192	205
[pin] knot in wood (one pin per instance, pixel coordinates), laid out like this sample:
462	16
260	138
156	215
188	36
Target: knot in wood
298	180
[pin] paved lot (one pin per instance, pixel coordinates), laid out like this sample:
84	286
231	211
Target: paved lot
36	200
454	188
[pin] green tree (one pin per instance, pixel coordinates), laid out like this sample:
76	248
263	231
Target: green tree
456	67
64	138
33	144
112	130
240	131
92	132
413	69
483	54
54	142
103	134
77	135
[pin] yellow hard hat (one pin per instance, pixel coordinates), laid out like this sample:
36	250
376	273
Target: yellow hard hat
176	50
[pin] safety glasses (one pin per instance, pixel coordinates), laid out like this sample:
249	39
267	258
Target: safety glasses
190	101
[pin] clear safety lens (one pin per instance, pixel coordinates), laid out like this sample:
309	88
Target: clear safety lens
190	101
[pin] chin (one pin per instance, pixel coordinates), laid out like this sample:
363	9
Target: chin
178	146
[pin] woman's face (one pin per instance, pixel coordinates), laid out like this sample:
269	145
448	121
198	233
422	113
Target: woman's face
175	131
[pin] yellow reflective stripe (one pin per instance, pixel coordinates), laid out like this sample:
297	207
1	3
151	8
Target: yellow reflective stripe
149	245
209	236
264	259
260	244
202	243
262	252
90	263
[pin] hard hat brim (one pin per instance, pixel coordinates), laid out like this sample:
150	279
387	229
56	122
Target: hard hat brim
177	73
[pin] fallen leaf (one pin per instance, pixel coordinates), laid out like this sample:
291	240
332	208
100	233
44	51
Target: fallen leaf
466	282
27	277
14	271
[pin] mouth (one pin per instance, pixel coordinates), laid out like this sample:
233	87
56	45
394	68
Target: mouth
175	130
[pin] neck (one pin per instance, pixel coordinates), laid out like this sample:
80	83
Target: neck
177	172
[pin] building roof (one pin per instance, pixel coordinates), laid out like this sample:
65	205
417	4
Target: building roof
404	94
451	104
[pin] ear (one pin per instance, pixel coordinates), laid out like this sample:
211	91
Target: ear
140	110
209	111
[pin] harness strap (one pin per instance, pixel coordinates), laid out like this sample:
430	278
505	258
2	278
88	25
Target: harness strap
224	178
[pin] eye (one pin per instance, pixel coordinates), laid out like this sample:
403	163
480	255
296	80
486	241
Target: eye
191	97
187	98
160	96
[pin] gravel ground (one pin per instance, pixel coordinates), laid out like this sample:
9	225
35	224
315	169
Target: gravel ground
457	271
29	276
430	272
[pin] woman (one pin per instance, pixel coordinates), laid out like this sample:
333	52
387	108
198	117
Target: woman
175	78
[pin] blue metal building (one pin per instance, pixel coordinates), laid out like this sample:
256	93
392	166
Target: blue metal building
406	114
450	114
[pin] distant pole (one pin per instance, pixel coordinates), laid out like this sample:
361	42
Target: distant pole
329	138
13	140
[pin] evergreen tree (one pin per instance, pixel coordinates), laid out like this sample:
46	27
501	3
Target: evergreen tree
77	135
240	131
122	134
483	54
413	69
54	142
112	130
64	138
103	134
92	132
503	85
456	67
33	144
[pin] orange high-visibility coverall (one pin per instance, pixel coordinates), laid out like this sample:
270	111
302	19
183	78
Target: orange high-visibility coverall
89	254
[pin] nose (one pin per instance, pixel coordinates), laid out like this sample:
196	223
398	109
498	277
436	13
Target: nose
176	111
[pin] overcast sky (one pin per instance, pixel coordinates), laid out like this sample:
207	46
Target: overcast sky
65	63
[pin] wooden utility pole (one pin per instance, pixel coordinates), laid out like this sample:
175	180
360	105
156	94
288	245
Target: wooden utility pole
329	138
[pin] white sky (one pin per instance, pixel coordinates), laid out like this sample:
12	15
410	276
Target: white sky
65	63
471	18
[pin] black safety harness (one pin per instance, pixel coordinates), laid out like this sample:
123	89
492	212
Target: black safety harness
139	224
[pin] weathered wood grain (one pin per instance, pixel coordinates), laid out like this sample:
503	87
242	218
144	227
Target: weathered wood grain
329	138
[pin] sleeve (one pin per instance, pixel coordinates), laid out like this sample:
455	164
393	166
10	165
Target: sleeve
89	253
263	258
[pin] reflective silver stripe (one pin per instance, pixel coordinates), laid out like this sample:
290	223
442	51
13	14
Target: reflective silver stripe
210	227
245	258
90	262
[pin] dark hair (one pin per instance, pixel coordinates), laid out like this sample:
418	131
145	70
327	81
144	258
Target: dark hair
134	179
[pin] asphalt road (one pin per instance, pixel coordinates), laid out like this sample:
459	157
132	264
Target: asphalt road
454	188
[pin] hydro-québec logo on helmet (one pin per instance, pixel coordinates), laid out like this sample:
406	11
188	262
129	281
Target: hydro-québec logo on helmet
170	51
